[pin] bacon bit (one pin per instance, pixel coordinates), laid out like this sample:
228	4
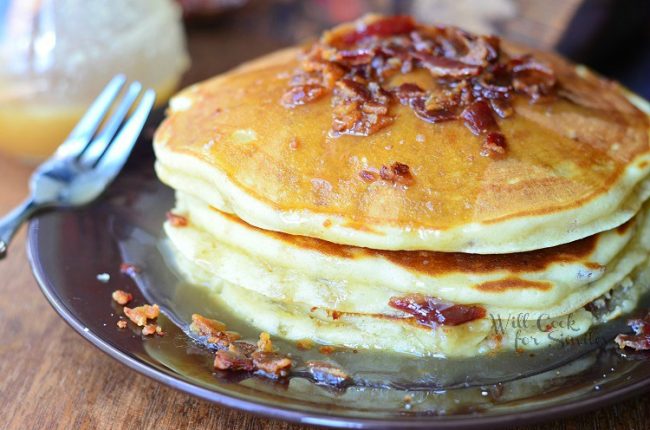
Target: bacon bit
502	107
368	176
326	349
432	312
355	63
246	348
243	356
203	326
327	373
408	92
478	118
380	28
305	344
141	314
303	94
265	344
360	109
294	143
272	364
223	339
122	297
494	144
397	173
176	220
442	67
233	359
531	77
149	329
640	340
129	269
122	324
336	315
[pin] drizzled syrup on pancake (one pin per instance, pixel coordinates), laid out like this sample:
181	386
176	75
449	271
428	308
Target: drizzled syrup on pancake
475	80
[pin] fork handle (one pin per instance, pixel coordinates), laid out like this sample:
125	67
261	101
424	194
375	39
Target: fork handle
10	224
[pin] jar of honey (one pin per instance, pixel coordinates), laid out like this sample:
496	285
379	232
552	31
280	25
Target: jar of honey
57	55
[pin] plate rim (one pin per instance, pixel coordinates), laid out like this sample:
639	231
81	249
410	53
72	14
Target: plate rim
263	409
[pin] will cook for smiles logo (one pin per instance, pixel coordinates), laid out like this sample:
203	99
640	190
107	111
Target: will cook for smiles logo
537	330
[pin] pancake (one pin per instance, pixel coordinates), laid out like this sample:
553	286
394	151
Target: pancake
575	165
299	287
411	189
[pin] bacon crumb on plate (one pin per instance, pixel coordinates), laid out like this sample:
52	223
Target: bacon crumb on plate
265	344
151	329
640	340
272	364
244	356
327	373
232	359
141	314
223	339
122	297
203	326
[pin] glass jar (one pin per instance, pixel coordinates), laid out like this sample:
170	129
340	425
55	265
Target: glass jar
57	55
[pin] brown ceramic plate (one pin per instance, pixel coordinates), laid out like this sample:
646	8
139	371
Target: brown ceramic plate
68	249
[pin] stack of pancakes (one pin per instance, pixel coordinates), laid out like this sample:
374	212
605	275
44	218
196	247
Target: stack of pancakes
475	254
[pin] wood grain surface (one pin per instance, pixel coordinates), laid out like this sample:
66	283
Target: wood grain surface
50	378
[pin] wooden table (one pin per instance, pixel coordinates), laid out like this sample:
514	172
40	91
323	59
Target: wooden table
51	378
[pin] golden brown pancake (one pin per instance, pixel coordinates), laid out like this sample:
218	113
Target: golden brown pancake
574	165
297	287
554	280
410	188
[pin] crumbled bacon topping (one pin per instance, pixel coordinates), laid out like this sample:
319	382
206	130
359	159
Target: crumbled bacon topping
359	108
265	344
203	326
223	339
233	359
272	364
262	358
215	331
176	220
369	175
122	297
141	314
151	329
475	79
396	173
324	372
432	312
640	340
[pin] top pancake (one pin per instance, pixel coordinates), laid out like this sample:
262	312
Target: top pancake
574	166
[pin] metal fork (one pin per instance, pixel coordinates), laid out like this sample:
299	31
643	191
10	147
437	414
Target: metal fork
89	159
